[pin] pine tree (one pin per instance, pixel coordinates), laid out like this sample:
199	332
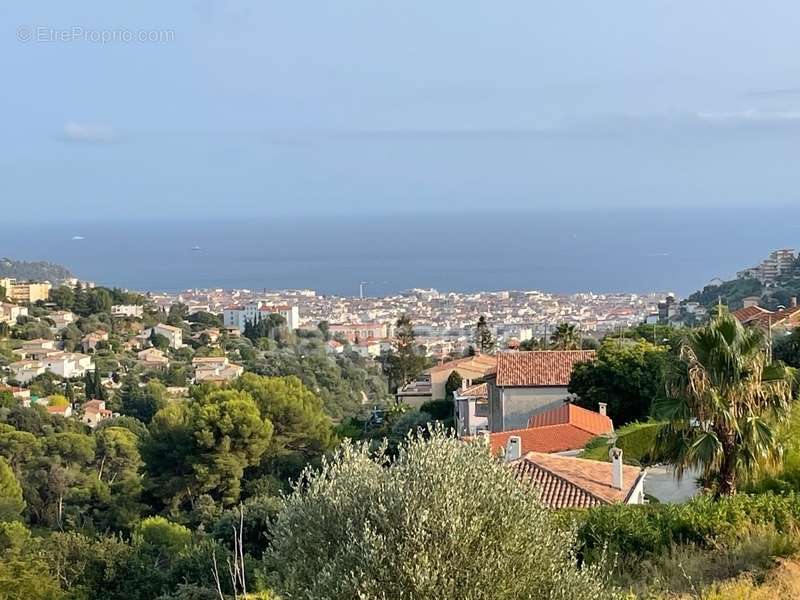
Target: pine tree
405	362
11	502
484	340
88	385
99	390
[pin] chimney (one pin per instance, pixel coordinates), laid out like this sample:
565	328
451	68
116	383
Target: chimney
513	448
601	408
615	454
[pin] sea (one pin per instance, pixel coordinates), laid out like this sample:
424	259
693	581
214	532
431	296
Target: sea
560	251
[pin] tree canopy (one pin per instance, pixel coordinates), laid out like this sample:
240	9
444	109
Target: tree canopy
627	376
724	405
369	526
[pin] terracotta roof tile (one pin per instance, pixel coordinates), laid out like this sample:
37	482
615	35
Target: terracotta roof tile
743	315
480	390
767	318
480	362
568	482
549	439
576	416
539	368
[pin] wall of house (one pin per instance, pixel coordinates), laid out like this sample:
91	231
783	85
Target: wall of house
468	419
522	403
637	494
510	408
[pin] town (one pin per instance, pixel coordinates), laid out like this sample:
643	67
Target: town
443	322
178	410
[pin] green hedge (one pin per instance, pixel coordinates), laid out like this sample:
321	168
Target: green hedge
635	439
640	530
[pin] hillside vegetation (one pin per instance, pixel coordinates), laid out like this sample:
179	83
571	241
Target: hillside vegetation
39	270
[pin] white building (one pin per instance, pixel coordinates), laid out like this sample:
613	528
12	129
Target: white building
238	316
128	310
215	369
173	334
63	364
367	348
61	319
9	312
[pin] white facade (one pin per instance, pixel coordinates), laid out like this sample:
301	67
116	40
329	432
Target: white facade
215	368
173	334
9	312
128	310
238	316
63	364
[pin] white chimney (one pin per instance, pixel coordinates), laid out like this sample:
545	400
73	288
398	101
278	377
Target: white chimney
513	448
615	454
601	408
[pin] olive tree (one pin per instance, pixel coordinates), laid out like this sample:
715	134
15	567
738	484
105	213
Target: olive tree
442	519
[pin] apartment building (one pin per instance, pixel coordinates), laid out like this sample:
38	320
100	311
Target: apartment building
127	310
29	292
173	334
357	332
239	315
771	268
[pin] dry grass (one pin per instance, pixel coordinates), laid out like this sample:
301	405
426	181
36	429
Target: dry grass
781	582
689	572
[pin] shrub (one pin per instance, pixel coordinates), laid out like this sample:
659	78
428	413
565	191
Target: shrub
159	533
637	441
645	530
441	520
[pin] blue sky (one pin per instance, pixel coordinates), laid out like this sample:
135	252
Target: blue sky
357	106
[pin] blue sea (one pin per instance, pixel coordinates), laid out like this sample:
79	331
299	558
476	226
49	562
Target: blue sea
634	250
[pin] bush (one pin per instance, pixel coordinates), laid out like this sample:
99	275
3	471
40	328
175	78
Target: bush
646	530
441	520
158	532
441	410
637	441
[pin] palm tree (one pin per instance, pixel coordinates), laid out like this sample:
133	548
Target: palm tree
565	337
725	405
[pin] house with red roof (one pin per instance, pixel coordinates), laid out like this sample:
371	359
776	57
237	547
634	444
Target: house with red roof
527	383
569	482
432	384
779	322
564	429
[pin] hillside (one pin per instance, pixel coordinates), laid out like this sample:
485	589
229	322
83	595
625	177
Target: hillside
34	271
734	291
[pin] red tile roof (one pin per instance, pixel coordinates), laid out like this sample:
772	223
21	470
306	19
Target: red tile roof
539	368
484	363
568	482
480	390
549	439
561	429
569	414
743	315
768	318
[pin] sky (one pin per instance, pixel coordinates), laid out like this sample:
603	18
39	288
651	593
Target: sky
237	109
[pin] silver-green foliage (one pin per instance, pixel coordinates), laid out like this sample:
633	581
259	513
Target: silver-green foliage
441	520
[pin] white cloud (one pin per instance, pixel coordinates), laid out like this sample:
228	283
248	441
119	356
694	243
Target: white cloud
750	116
89	133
